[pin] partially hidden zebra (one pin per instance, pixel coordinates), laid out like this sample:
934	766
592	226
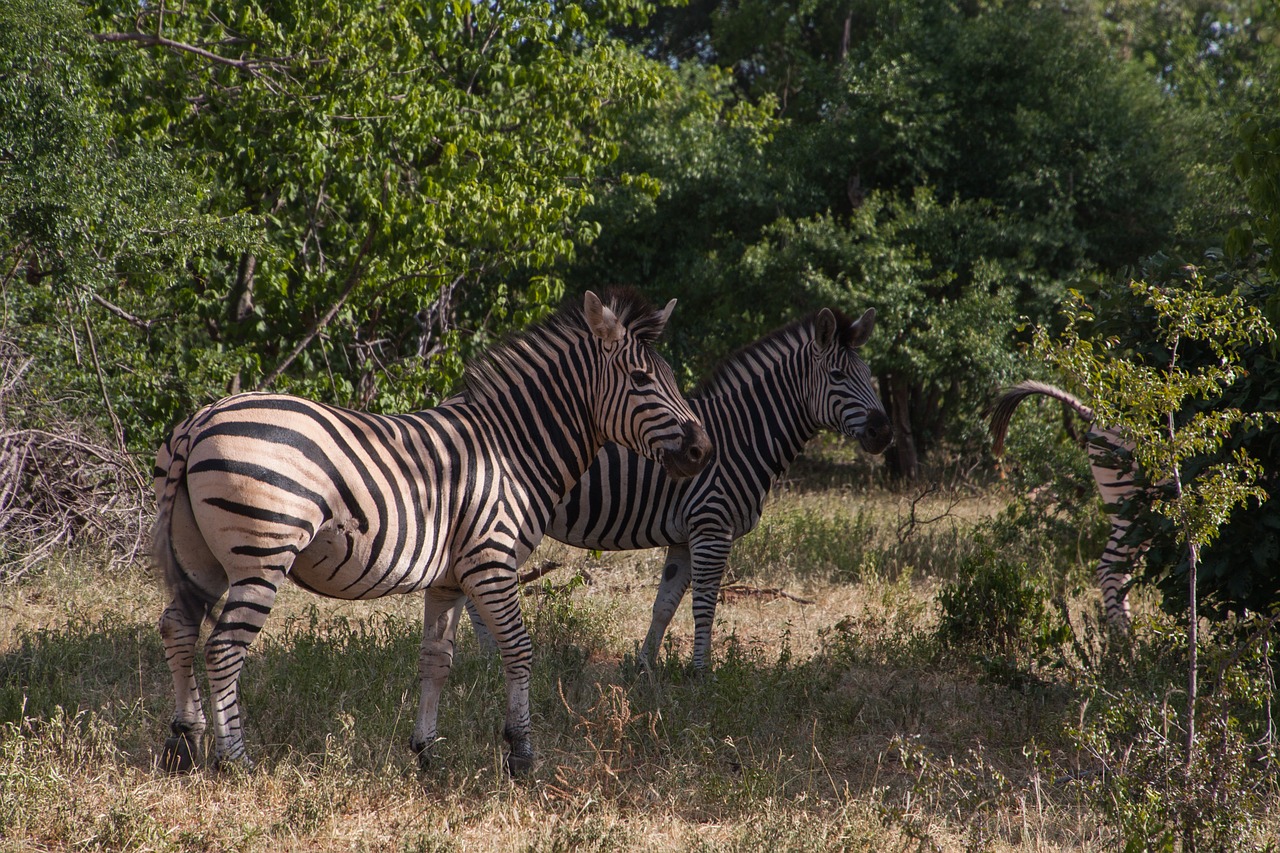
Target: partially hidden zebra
761	406
1117	478
257	488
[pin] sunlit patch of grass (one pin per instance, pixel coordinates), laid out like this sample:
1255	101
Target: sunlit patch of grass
838	718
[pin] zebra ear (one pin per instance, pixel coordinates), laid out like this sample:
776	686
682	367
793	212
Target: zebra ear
604	324
825	329
856	335
661	318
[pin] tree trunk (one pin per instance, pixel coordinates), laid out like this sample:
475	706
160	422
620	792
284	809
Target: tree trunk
902	459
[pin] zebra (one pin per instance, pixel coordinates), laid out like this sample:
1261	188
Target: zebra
761	406
1117	478
448	501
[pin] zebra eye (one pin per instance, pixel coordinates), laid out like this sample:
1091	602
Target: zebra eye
640	377
838	376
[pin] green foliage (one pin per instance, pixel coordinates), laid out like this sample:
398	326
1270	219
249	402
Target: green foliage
82	212
1131	733
951	165
410	161
342	200
997	611
1198	334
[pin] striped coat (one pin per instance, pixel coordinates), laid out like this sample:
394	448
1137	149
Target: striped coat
449	501
761	406
1117	479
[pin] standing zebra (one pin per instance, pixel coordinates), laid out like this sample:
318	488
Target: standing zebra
761	406
450	501
1113	469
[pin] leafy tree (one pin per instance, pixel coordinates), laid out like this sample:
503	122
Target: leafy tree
80	211
413	170
999	149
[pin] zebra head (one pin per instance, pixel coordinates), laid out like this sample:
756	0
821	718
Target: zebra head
640	404
844	396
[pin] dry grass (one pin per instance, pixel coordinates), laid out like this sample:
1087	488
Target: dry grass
831	725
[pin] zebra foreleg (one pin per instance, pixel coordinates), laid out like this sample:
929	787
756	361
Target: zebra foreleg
441	611
709	556
671	590
249	602
497	599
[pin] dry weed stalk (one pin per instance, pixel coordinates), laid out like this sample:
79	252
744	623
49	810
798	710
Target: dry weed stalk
604	727
60	489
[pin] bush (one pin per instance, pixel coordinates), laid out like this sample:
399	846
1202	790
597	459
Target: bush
63	486
997	611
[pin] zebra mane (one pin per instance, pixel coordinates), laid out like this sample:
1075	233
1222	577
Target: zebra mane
493	369
781	339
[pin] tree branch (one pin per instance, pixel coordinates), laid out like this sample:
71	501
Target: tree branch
145	40
353	279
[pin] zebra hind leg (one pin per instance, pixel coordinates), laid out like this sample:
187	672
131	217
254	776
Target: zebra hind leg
249	602
180	632
1113	579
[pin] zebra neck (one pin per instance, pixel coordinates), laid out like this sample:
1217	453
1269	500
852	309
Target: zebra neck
761	419
536	411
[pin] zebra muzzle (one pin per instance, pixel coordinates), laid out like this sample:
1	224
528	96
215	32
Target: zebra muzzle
693	452
877	433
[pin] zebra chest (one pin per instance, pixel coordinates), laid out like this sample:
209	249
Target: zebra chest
723	512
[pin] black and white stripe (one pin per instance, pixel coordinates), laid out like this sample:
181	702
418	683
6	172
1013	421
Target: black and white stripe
761	407
449	501
1117	478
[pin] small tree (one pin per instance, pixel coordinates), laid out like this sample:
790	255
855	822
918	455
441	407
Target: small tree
1146	400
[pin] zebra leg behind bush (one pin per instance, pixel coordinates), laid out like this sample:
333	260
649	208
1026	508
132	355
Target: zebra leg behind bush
1114	473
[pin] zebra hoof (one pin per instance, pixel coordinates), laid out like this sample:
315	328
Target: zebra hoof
422	751
178	755
520	759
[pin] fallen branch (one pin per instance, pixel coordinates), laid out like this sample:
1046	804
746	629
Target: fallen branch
739	590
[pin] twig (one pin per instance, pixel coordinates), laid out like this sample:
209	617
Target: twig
1236	655
102	385
145	325
546	568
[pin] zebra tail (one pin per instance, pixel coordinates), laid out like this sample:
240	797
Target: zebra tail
192	598
1001	411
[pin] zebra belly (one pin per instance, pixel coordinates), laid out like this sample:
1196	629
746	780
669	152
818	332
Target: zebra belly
344	562
614	538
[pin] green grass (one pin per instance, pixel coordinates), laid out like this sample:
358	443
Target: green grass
868	719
